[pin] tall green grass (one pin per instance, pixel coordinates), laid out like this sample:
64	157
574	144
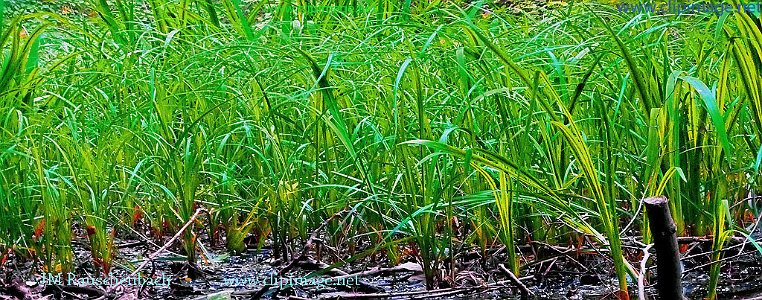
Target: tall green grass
427	124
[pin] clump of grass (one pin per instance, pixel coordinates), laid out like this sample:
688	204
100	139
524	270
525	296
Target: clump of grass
424	122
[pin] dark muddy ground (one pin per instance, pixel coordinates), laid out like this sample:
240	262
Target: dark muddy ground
557	273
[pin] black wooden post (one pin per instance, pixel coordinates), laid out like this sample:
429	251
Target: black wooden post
663	229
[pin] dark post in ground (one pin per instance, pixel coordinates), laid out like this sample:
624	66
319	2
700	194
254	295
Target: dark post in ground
663	229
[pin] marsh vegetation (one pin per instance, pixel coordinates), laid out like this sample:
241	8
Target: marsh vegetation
375	132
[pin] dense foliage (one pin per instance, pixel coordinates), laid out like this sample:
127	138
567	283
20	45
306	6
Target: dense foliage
433	125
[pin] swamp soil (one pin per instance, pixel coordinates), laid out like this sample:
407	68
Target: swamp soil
553	273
